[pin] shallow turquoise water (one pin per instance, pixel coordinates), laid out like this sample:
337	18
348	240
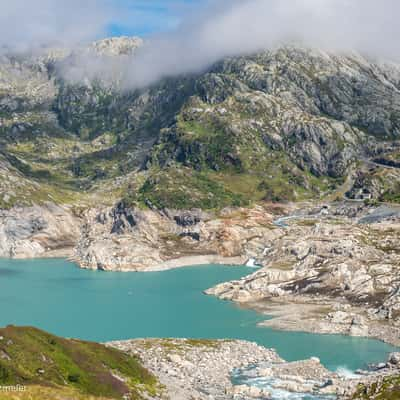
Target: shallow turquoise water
56	296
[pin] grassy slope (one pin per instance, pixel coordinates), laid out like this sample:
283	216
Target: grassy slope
386	389
59	169
48	393
35	358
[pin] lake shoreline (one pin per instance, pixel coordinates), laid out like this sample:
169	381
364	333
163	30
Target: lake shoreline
172	294
296	314
193	261
175	263
300	315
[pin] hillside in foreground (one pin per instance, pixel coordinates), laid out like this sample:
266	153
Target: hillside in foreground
52	367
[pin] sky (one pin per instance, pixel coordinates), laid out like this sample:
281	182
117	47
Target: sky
186	36
26	24
147	17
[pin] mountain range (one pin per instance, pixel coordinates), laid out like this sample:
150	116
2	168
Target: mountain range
282	125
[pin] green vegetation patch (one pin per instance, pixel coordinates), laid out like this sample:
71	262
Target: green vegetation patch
48	393
181	187
216	156
184	188
29	356
387	388
181	345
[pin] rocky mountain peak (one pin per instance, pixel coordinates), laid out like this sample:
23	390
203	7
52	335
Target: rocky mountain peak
116	46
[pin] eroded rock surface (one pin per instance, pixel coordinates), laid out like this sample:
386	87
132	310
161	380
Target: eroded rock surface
38	231
122	238
202	369
349	270
240	370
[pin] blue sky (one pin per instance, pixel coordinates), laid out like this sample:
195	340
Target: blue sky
145	17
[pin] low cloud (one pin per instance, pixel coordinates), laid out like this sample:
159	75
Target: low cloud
31	24
233	27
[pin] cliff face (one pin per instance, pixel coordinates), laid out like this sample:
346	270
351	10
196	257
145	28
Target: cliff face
287	124
122	238
36	231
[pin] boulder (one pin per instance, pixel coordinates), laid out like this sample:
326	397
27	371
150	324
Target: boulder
394	359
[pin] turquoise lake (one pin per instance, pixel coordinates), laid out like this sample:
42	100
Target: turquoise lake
56	296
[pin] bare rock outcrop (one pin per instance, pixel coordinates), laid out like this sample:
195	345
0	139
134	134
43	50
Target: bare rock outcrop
335	262
203	369
131	239
38	231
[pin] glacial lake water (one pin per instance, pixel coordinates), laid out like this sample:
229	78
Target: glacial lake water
56	296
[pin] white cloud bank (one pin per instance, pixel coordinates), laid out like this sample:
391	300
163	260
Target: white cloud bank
231	27
30	24
222	28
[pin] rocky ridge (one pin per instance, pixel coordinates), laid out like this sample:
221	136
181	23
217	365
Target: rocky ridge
172	369
284	124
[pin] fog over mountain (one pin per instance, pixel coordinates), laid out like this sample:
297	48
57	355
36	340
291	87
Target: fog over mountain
29	25
218	29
